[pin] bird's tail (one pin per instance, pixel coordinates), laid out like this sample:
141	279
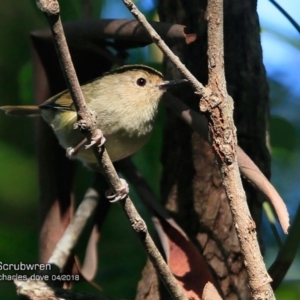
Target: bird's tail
22	110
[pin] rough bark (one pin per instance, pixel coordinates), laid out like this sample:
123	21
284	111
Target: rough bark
191	183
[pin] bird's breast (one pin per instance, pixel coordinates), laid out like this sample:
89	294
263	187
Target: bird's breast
124	136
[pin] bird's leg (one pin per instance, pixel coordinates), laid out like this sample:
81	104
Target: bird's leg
100	139
97	139
72	151
121	193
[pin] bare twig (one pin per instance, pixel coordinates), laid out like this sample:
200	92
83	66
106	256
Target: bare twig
284	12
187	114
87	124
190	260
223	132
206	93
218	105
86	119
35	290
70	237
200	89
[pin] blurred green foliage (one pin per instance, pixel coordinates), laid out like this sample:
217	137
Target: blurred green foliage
289	290
121	257
284	138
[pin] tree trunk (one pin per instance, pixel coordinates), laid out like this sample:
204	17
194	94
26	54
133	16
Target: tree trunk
191	184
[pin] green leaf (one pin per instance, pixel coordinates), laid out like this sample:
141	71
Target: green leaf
25	84
288	290
282	36
18	177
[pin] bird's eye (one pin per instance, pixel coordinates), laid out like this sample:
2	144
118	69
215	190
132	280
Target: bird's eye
141	82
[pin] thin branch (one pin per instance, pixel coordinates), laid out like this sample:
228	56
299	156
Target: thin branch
35	290
206	92
154	255
224	141
168	230
268	190
42	289
71	235
200	89
284	12
86	119
86	122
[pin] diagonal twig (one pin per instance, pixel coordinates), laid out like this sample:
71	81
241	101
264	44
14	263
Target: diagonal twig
86	119
200	89
224	141
206	92
284	12
71	235
87	124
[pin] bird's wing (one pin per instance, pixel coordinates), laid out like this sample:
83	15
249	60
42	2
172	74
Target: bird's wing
62	101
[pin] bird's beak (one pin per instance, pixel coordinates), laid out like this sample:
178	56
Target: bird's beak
169	83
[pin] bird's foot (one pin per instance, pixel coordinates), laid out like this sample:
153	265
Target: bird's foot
72	151
97	139
121	193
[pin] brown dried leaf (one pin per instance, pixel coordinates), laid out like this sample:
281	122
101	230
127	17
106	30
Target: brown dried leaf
210	292
90	263
252	173
183	258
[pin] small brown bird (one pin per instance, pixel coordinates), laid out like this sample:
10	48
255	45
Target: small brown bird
125	101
